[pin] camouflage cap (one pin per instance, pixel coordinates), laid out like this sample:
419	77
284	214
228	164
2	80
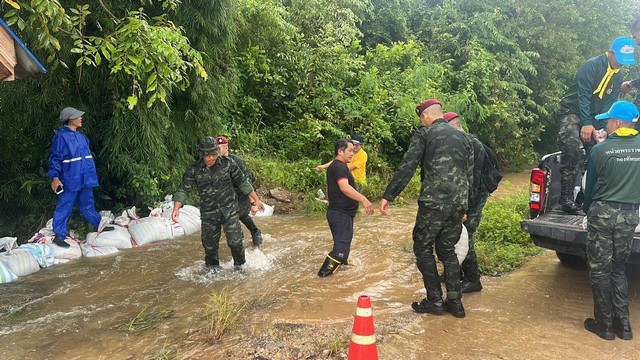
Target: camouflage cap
208	146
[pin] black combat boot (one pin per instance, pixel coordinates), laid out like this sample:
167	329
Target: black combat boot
470	286
602	323
60	242
603	330
212	264
256	237
566	198
622	328
455	308
435	306
329	266
432	303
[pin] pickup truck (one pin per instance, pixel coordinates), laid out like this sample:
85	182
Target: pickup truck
549	226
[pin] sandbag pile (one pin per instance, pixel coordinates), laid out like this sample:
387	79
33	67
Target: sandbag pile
129	230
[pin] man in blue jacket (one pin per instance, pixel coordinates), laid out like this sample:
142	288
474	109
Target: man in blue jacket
73	174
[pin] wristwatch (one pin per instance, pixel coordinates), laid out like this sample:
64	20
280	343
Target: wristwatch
253	203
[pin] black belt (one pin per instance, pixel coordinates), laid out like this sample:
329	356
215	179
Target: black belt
622	206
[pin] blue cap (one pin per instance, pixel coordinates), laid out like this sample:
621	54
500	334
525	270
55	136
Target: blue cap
623	47
621	110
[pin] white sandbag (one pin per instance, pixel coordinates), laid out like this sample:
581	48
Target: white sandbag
95	251
43	254
6	276
20	262
8	243
462	246
73	252
268	211
119	238
148	230
189	219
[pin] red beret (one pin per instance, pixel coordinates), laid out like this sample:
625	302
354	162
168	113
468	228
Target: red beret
425	104
221	140
450	116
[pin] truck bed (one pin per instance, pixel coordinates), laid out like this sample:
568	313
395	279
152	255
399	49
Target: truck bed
561	232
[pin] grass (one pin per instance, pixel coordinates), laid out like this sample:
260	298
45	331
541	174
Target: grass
222	314
148	320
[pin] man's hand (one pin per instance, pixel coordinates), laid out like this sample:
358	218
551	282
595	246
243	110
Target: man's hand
368	206
55	183
176	211
587	133
384	207
625	88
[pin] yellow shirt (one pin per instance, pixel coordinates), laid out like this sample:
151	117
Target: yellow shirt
359	162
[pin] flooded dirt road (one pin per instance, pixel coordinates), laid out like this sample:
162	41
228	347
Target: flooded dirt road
152	301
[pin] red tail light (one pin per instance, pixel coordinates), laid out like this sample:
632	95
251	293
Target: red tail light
537	190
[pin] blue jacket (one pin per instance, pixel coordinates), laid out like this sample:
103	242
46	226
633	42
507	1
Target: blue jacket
71	160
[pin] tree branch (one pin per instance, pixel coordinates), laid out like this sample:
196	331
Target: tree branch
109	12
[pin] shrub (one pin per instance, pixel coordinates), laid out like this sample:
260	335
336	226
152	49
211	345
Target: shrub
500	244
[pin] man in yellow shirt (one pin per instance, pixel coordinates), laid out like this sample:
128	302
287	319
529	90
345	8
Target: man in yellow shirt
358	165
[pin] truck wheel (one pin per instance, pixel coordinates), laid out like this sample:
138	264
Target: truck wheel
570	259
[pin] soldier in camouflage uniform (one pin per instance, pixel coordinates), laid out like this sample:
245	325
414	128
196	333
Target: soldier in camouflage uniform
445	156
216	179
611	202
469	267
245	205
596	88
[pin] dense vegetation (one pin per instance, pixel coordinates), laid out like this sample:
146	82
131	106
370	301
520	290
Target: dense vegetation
283	79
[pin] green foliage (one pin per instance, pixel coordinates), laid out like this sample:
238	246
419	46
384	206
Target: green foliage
285	80
500	244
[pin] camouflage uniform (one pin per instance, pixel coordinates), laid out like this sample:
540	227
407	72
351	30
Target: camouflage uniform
611	202
577	109
217	188
476	203
445	155
244	202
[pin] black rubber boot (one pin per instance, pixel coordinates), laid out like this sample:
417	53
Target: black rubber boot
212	264
257	238
455	308
567	203
329	266
108	228
60	242
622	328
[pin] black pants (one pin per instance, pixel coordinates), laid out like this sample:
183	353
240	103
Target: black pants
341	225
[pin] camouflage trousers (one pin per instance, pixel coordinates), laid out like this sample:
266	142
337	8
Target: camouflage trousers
244	208
569	143
441	228
609	239
469	266
212	224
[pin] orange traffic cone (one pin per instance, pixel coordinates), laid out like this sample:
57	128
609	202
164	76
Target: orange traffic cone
363	340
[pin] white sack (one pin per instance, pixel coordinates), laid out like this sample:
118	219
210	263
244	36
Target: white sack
6	276
43	254
119	238
462	246
94	251
20	262
73	252
148	230
268	211
189	219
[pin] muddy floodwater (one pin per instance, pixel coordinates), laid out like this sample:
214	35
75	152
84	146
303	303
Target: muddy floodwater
139	302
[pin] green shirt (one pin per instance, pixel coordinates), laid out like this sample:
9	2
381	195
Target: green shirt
613	171
580	99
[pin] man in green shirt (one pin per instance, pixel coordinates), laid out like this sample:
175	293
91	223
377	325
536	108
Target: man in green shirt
596	88
611	203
